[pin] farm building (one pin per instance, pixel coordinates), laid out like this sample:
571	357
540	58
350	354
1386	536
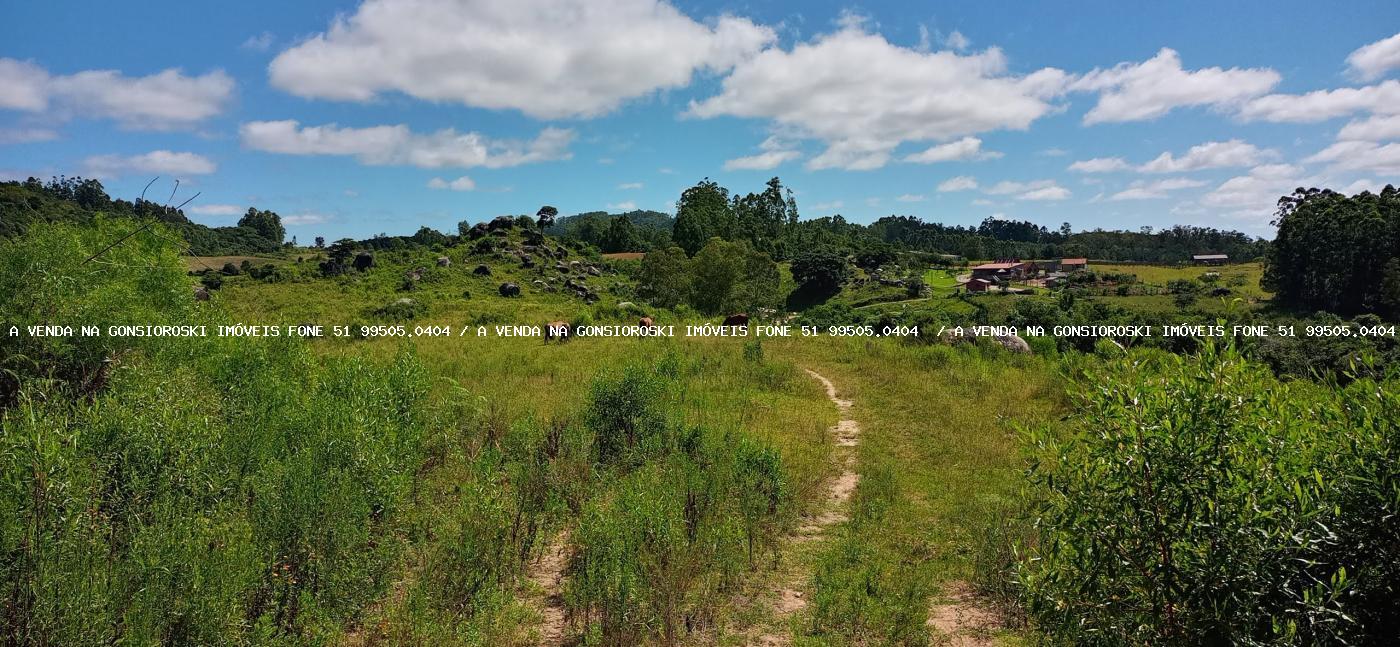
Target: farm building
979	285
1005	270
1210	259
1073	264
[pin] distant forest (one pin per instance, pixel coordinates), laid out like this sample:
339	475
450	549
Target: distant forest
767	220
80	200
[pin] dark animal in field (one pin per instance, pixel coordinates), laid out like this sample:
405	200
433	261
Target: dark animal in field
509	290
444	261
646	322
740	319
201	293
482	270
364	261
556	330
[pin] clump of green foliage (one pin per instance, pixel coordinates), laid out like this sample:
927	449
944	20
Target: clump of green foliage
208	490
691	510
1200	500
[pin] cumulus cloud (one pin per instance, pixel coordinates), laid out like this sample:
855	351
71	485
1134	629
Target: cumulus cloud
307	218
957	41
959	183
259	42
1373	61
1155	190
217	210
166	100
775	152
967	148
1259	189
397	145
1321	105
1375	128
1036	190
1100	165
1209	155
1360	156
26	135
1152	88
463	183
864	96
547	58
161	162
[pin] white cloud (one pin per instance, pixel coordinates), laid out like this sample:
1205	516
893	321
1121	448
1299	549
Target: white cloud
626	205
1373	61
217	210
775	152
1209	155
163	101
1152	88
957	41
1046	193
1100	165
1053	152
397	145
547	58
967	148
1360	156
26	135
1035	190
864	96
259	42
983	202
1375	128
959	183
161	162
307	218
1260	189
910	197
1155	190
1321	105
827	207
463	183
630	186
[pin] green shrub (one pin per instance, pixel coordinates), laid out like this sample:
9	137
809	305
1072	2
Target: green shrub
1200	500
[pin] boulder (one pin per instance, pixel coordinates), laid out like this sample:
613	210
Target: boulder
739	319
444	261
477	231
201	293
509	290
364	261
1013	343
500	223
482	270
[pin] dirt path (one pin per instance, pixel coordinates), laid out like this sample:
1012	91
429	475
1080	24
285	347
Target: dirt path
960	619
788	594
548	573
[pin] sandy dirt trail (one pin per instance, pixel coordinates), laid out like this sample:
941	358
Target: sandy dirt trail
548	573
789	595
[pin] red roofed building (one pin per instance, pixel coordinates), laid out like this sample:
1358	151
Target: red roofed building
1002	270
1073	264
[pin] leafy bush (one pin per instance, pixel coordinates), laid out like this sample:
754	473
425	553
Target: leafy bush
1202	501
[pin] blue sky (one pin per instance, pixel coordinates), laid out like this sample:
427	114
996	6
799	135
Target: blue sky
352	119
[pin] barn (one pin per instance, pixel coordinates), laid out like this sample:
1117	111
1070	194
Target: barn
1210	259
